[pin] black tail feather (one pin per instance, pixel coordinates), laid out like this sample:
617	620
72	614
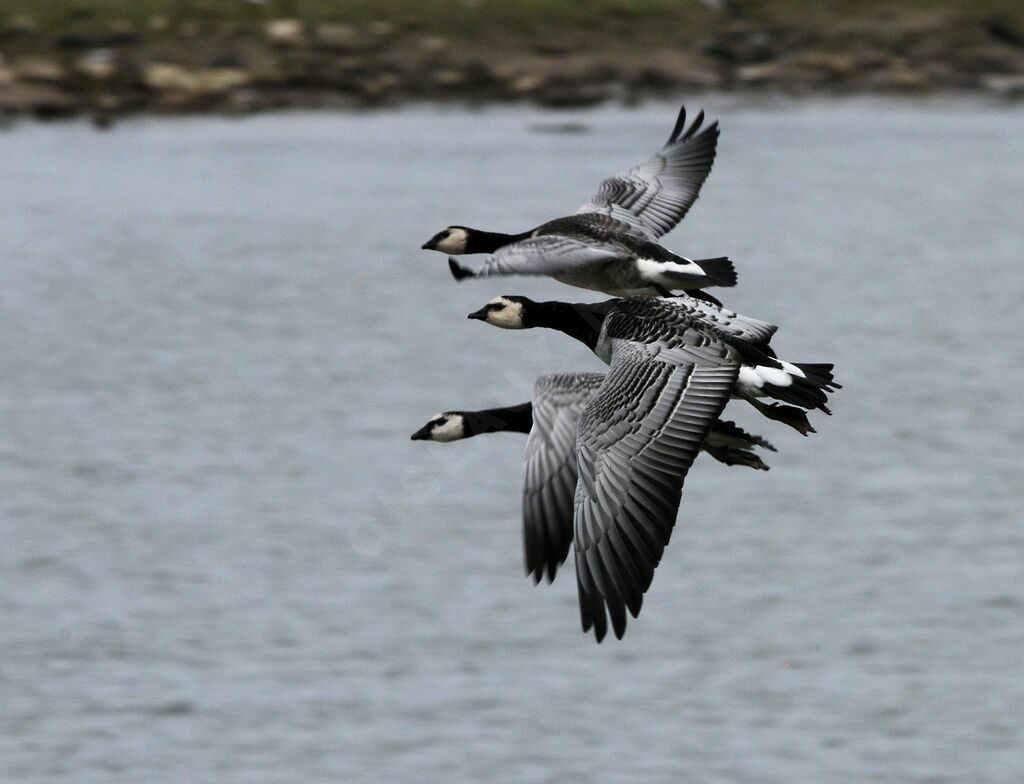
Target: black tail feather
799	393
821	375
720	271
808	392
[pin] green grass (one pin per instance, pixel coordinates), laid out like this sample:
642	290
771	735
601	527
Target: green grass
438	16
474	17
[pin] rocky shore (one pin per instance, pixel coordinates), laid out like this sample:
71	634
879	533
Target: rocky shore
166	65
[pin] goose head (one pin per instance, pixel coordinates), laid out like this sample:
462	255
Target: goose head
444	427
451	240
507	312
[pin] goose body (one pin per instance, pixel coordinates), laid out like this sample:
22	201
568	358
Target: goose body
673	363
549	481
610	243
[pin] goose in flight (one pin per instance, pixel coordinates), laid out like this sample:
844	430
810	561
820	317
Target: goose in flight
673	365
610	243
549	477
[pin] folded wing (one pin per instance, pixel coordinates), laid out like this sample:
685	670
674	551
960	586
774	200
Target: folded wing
547	255
681	312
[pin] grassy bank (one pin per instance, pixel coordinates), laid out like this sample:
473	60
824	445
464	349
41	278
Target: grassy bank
493	18
488	17
110	56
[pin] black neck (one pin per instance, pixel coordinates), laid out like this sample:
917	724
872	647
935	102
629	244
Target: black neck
578	320
513	419
489	241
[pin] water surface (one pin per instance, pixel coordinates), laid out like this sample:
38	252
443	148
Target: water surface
223	560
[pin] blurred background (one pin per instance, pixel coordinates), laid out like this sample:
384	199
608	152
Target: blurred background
222	558
106	58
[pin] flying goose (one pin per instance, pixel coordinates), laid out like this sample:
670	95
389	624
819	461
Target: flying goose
609	244
761	374
674	363
549	482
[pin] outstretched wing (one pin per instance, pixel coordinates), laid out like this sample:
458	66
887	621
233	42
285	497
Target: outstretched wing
655	195
550	254
635	442
549	481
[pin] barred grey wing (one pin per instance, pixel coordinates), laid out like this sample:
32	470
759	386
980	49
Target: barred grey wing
689	310
655	195
549	481
635	442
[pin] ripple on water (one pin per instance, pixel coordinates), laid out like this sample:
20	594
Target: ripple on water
223	559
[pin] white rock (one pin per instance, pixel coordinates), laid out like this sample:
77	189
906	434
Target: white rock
285	32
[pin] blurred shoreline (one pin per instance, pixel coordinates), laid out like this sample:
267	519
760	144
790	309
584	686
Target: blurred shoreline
65	59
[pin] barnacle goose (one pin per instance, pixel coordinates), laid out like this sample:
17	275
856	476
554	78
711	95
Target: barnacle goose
549	478
674	363
609	245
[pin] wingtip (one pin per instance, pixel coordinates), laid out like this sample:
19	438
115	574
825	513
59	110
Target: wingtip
678	127
533	565
592	615
587	624
681	133
618	622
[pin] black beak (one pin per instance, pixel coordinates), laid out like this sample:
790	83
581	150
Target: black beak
479	315
428	245
422	434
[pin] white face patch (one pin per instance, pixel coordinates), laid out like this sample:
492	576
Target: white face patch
508	316
451	429
454	243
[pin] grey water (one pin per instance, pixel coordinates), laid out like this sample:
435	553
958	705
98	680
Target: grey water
222	559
